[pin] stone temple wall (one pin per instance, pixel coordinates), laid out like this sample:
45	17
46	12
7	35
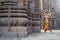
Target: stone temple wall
14	19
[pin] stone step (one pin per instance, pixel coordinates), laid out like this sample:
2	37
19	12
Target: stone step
14	34
14	31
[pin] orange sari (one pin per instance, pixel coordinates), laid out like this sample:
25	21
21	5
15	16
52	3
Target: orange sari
46	23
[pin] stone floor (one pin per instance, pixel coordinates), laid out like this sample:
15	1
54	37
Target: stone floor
43	36
38	36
